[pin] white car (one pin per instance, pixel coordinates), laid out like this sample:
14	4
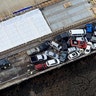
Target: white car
88	48
71	49
55	45
94	46
74	55
52	54
52	62
90	43
80	38
94	33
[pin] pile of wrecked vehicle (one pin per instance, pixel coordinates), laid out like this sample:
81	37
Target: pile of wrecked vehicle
63	47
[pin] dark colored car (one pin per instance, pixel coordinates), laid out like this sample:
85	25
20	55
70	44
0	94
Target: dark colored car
63	56
44	46
94	28
4	64
40	67
88	36
64	45
64	36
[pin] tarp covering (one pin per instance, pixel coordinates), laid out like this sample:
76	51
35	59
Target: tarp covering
22	29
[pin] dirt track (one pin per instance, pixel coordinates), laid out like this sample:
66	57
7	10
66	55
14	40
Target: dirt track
75	79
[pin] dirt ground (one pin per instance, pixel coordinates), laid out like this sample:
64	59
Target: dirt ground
75	79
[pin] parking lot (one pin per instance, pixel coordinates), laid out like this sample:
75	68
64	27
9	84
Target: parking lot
59	17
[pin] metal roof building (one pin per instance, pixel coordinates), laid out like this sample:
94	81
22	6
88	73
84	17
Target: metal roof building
59	17
21	29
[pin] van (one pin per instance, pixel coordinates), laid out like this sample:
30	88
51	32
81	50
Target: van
77	32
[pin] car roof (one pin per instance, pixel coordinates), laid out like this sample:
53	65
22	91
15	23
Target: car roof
3	61
51	61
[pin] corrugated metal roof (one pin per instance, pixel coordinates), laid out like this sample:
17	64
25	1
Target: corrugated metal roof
60	17
22	29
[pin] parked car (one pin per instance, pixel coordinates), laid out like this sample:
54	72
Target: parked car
89	28
80	38
94	24
93	39
77	32
51	54
72	49
63	56
88	36
94	46
52	62
68	43
64	45
38	58
79	44
33	51
40	67
94	33
44	46
74	55
4	64
61	36
30	68
88	48
55	45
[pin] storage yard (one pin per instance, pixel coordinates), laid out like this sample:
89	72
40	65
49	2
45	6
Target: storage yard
59	22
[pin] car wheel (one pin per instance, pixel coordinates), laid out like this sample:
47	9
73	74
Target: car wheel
5	67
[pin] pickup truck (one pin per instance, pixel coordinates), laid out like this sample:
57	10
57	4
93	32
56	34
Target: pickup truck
38	58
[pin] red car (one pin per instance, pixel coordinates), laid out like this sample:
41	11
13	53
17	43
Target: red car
79	44
40	66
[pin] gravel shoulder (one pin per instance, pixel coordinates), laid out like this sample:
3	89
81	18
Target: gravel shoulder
74	79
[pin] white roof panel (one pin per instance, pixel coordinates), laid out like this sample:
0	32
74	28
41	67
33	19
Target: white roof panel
22	29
